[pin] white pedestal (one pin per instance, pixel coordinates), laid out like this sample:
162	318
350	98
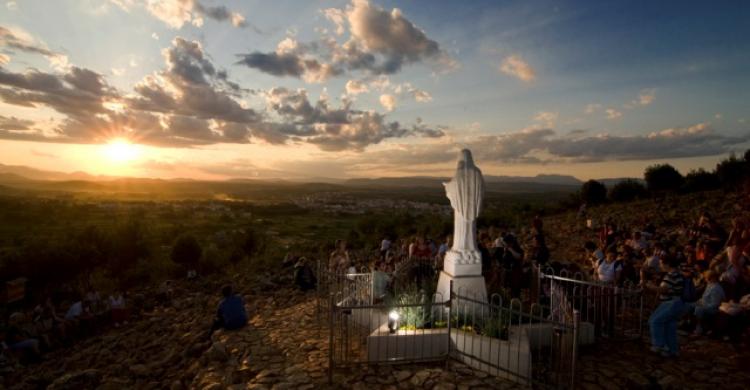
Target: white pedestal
472	287
465	270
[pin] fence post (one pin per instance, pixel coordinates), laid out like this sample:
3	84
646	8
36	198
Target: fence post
640	316
331	350
450	318
576	324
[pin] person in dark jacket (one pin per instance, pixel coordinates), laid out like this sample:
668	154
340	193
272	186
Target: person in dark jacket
231	313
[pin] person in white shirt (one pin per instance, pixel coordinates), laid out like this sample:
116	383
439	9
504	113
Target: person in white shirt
609	269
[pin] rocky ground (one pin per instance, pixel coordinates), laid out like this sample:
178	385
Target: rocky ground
284	348
281	348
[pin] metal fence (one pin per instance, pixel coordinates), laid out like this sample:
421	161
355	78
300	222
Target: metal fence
615	312
503	338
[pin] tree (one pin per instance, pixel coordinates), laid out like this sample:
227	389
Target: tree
186	250
253	242
627	190
701	180
593	192
732	171
747	156
663	177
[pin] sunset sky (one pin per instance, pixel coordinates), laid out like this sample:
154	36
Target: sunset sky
217	89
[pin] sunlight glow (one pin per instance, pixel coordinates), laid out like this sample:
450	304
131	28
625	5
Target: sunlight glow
120	150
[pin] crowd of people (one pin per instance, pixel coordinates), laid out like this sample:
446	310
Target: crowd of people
506	261
29	333
700	274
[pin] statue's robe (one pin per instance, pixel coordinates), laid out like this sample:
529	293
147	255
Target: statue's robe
465	192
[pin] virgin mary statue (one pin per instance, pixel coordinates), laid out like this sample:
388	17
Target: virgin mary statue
465	192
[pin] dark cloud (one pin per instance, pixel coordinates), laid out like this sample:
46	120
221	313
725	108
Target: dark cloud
14	124
275	64
544	145
380	42
15	42
190	102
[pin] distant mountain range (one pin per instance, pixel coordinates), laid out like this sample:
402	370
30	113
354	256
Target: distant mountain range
16	176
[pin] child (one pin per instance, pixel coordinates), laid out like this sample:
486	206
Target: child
708	304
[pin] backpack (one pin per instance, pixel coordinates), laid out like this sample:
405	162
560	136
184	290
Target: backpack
689	294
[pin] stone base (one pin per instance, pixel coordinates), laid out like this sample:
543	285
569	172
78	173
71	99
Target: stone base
467	286
462	263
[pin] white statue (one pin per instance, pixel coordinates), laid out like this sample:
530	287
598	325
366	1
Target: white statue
465	192
463	262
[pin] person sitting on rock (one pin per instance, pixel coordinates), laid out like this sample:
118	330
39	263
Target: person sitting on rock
708	305
304	278
18	342
231	313
118	308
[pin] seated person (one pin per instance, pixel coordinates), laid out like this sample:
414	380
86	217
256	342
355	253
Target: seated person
231	313
708	304
18	342
304	277
119	310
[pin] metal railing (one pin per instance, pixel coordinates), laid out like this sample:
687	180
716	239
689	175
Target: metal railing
508	339
615	312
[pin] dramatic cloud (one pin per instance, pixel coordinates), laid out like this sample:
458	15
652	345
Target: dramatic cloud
544	145
379	42
515	66
15	39
176	13
287	61
14	124
190	102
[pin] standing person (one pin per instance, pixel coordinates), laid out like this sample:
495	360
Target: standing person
231	313
442	250
385	246
339	260
609	269
663	321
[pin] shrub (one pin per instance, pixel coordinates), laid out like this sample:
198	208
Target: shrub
663	177
186	250
627	190
732	171
593	192
701	180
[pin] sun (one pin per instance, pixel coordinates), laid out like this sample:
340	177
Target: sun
120	150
